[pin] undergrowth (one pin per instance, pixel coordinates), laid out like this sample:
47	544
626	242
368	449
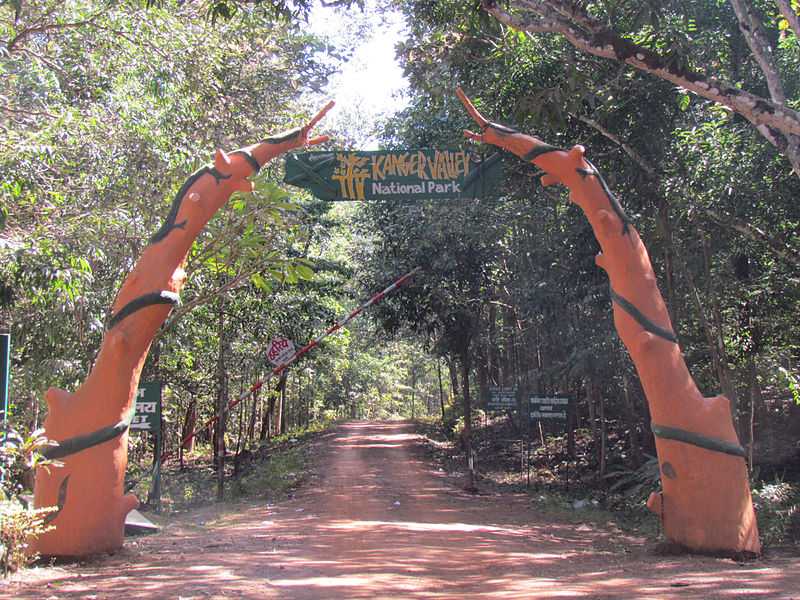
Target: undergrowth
20	525
572	486
777	505
269	471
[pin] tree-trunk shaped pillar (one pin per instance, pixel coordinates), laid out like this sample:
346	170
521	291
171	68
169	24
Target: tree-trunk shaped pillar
705	504
91	424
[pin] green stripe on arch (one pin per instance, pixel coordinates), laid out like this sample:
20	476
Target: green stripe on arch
697	439
85	441
249	158
62	499
538	151
143	301
639	317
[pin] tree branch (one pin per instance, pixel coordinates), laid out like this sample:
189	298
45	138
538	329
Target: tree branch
607	44
790	15
756	234
571	11
756	37
27	32
44	60
752	232
135	42
177	313
27	113
627	148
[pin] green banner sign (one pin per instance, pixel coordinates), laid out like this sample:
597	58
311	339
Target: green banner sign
395	175
148	407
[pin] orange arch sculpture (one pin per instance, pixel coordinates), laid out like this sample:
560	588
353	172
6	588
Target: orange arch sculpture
91	424
706	503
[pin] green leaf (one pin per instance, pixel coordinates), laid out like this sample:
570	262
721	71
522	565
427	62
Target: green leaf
261	283
304	272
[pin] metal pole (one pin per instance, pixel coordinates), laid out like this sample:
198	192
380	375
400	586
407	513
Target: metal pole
528	440
5	375
157	474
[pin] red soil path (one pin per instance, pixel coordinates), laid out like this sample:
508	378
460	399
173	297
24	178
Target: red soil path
376	521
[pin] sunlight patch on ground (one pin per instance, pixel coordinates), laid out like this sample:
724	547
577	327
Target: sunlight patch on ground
396	438
377	581
420	527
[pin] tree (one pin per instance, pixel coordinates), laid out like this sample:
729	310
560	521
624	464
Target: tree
92	509
88	160
702	185
655	37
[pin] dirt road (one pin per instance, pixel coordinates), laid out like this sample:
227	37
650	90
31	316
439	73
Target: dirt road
378	521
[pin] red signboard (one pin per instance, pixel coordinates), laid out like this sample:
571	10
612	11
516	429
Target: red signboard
280	350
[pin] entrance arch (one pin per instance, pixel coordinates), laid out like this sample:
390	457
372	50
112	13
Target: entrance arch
705	504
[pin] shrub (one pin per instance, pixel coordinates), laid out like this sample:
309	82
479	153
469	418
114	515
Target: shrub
19	525
19	456
778	510
637	483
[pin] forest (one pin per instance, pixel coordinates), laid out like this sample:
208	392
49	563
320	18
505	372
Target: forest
689	108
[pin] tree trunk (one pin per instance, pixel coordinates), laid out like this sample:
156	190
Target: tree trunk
632	421
453	380
718	350
706	503
466	436
441	387
189	423
668	254
91	425
756	401
280	414
240	433
597	415
571	421
269	417
482	373
251	425
592	409
222	403
34	401
349	402
493	342
413	393
510	355
601	403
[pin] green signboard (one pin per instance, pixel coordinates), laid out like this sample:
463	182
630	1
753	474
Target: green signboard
148	418
502	398
548	408
148	408
395	175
